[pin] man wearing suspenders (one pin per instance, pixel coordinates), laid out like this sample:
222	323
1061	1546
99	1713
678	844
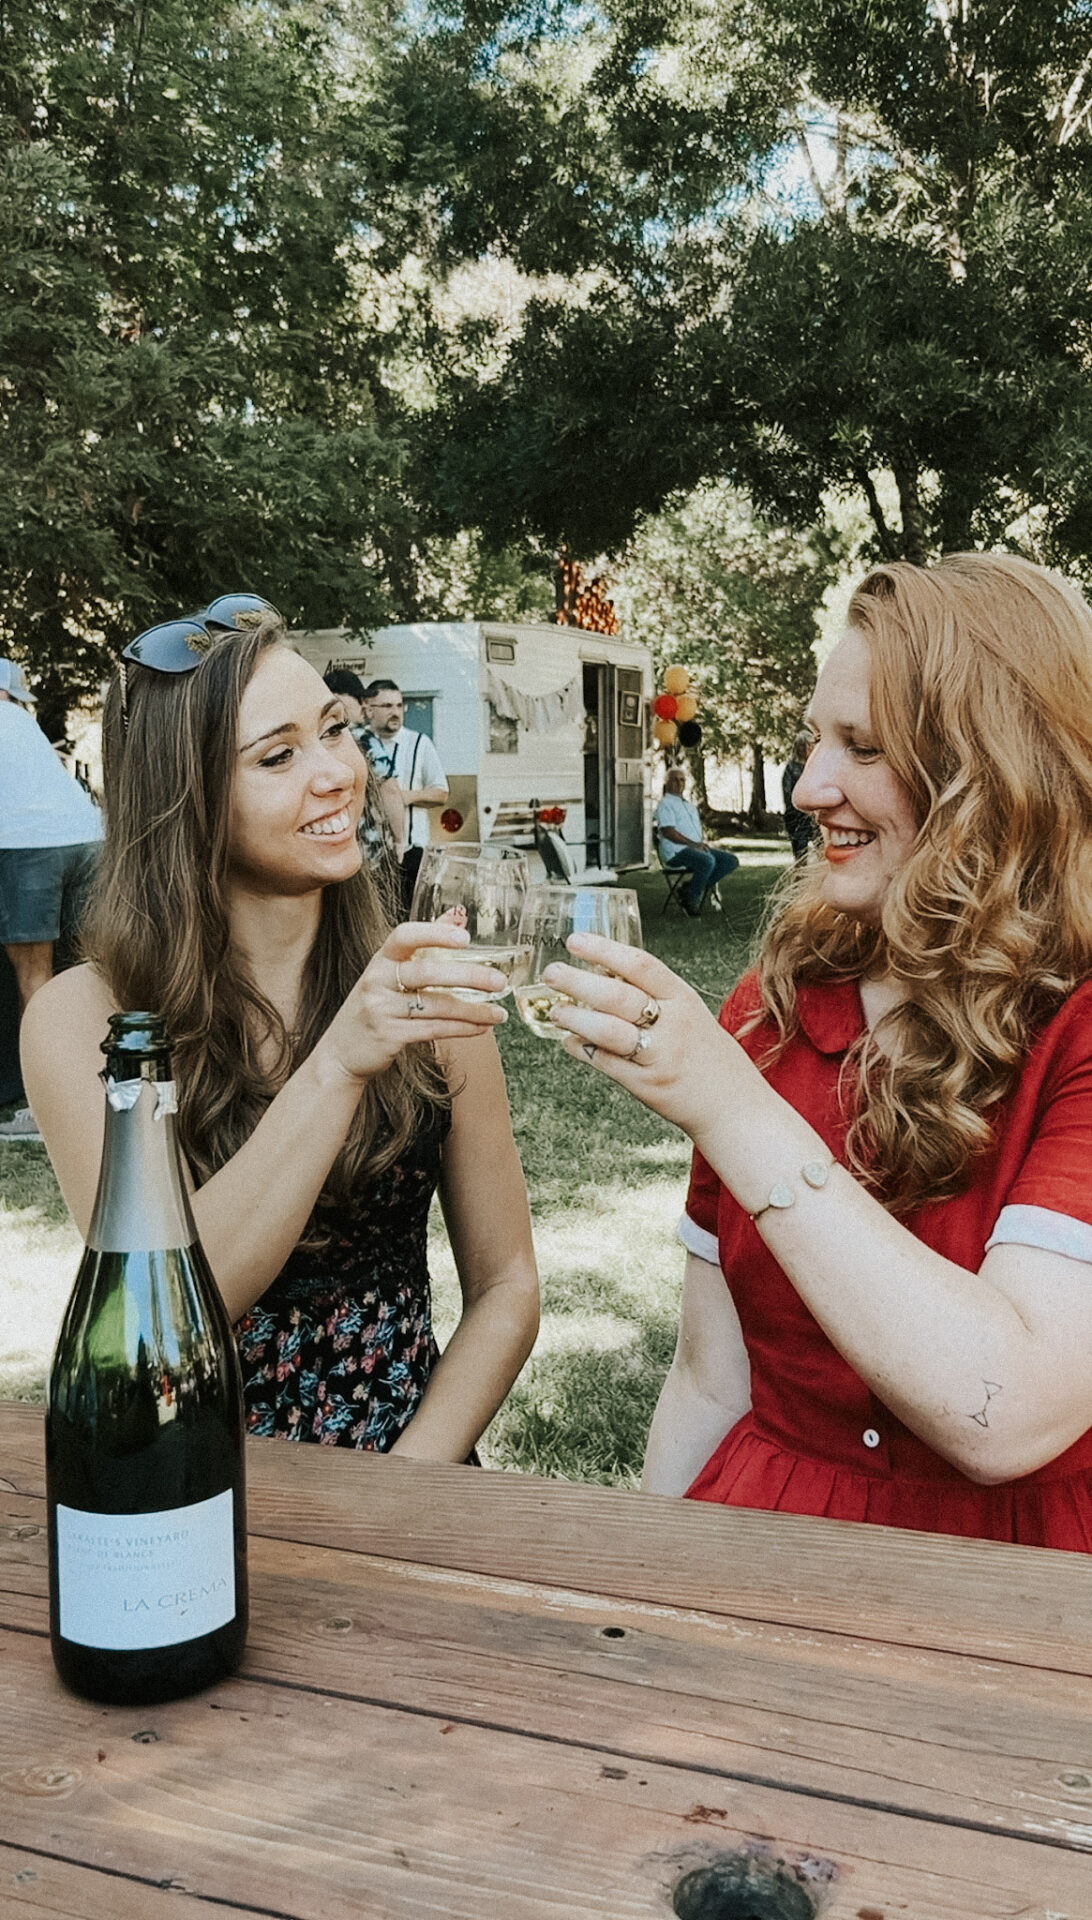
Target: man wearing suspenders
398	753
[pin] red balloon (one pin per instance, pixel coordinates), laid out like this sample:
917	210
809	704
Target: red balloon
665	706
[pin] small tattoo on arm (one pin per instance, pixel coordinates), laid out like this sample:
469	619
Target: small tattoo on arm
980	1418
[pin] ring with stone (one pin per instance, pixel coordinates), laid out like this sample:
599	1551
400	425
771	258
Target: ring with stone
649	1013
417	1005
642	1041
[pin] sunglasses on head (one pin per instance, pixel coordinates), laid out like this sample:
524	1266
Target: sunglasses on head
179	646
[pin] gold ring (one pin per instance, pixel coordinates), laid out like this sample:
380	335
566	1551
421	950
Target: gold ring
649	1013
402	987
641	1043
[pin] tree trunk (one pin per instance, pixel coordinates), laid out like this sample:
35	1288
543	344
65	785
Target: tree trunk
696	760
914	544
756	812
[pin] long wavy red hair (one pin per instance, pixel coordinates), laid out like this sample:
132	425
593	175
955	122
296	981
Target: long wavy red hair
981	698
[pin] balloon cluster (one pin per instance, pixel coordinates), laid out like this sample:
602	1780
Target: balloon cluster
674	709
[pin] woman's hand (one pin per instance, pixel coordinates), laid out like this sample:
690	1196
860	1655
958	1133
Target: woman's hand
400	1001
643	1026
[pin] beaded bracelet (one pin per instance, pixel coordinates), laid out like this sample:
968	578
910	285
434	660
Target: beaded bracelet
815	1173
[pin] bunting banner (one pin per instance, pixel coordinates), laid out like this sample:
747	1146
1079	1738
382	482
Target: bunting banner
538	712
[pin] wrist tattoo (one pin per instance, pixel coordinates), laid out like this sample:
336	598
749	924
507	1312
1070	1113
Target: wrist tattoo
993	1387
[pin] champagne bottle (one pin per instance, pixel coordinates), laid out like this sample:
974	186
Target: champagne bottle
144	1419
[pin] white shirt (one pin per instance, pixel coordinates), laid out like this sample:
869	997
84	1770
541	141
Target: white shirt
414	763
41	805
674	811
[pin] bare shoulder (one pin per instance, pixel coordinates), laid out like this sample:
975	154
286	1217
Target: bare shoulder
73	1006
60	1043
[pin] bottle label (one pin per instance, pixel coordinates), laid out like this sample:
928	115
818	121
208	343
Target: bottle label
132	1581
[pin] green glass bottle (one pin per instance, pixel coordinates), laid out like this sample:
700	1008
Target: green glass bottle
144	1419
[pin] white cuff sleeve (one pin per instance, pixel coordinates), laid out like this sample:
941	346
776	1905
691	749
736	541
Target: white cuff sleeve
696	1240
1041	1227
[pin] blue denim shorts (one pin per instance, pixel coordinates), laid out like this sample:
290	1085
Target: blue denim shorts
43	891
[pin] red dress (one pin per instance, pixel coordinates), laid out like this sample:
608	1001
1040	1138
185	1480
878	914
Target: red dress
817	1440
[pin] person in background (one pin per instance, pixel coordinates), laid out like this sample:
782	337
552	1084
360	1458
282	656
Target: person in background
413	761
887	1306
383	819
800	827
328	1083
50	830
681	845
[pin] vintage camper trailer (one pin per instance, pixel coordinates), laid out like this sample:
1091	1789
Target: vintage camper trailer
526	720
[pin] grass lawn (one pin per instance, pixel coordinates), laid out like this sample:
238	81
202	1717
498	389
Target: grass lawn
606	1180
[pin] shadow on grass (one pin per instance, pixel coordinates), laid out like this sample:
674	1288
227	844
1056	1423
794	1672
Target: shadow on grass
585	1416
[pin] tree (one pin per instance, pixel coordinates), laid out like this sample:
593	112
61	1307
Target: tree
188	397
849	254
711	587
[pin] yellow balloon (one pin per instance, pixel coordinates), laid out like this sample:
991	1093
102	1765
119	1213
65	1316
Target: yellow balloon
687	707
665	732
676	680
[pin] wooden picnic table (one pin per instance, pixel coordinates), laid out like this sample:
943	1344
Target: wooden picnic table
474	1694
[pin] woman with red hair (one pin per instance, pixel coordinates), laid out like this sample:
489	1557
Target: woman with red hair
887	1310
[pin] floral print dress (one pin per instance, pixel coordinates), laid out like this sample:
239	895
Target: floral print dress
340	1347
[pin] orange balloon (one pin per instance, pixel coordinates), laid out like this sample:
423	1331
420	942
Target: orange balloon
676	680
665	732
686	708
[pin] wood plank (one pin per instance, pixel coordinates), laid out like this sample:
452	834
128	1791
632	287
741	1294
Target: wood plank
328	1809
1022	1604
35	1887
965	1740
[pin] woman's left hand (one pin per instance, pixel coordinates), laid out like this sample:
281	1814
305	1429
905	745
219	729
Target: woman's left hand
639	1023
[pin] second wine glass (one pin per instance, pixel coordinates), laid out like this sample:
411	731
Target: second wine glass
550	915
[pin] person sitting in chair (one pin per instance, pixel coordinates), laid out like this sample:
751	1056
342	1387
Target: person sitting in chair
681	845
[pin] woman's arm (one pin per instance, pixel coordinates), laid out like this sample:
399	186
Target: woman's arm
708	1384
484	1200
993	1369
251	1213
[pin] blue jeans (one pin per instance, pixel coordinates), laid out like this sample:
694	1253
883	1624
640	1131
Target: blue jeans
707	865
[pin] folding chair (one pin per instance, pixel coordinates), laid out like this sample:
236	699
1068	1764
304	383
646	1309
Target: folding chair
555	855
675	878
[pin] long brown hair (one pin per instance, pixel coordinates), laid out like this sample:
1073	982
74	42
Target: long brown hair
981	695
159	933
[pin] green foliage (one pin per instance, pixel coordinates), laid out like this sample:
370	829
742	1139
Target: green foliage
187	398
849	253
709	585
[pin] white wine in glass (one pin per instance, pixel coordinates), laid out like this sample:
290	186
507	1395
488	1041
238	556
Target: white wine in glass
550	915
487	885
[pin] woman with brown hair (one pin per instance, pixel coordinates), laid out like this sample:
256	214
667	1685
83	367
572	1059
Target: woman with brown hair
327	1082
887	1310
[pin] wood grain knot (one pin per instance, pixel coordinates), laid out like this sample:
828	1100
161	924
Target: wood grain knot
41	1783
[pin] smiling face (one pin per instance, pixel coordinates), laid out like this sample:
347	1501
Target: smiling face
863	810
299	782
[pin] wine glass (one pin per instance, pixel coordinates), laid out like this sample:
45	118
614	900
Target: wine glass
549	915
487	885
